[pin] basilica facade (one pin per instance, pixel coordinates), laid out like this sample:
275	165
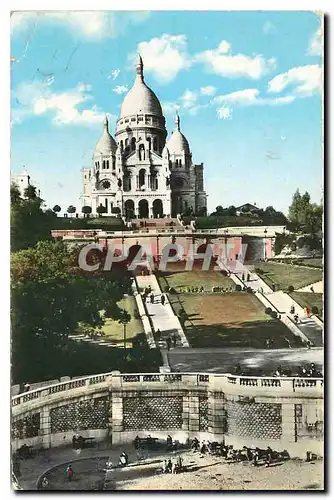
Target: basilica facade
140	173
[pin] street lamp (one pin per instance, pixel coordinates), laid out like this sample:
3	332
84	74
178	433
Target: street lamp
226	232
265	244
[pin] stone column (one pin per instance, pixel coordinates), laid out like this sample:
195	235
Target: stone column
185	413
193	406
45	427
216	415
150	209
288	423
117	416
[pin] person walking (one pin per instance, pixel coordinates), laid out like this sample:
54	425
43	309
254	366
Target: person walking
69	472
174	340
169	343
163	299
152	298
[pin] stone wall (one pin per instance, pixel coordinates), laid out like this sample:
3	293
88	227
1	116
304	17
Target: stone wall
284	413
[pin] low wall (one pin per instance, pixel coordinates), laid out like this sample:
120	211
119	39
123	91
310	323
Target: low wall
284	413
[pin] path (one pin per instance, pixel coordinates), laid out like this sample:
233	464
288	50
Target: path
311	328
224	360
162	316
318	287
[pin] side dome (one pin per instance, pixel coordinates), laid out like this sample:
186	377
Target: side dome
178	144
140	99
106	145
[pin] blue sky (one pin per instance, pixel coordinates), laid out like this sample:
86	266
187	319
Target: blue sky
247	86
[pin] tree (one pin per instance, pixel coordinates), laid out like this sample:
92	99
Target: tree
71	209
56	209
86	210
231	210
28	222
30	193
50	296
124	319
101	210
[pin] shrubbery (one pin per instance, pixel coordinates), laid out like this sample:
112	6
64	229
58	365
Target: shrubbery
238	288
273	314
268	310
290	289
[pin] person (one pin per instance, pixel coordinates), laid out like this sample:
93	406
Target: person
169	342
248	277
312	371
203	448
174	470
269	456
169	466
174	340
123	460
180	463
296	318
312	289
152	298
169	442
243	277
163	299
292	309
165	467
268	343
255	457
308	311
109	464
44	484
69	472
158	334
137	442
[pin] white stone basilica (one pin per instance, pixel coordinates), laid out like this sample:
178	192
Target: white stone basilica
139	174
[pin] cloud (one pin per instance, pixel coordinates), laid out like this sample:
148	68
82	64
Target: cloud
194	109
120	89
223	63
315	47
250	97
169	107
36	99
224	113
307	80
269	28
94	25
164	57
114	74
208	90
189	98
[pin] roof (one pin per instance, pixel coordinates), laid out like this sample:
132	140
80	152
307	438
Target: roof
249	206
140	99
106	145
178	144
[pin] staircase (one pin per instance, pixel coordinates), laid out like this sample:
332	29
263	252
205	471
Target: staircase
162	316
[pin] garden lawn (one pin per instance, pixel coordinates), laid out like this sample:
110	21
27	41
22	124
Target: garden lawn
113	331
234	319
309	299
284	275
311	263
176	277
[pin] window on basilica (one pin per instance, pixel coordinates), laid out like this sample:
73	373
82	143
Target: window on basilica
105	184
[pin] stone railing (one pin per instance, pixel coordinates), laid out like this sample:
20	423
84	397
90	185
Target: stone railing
261	411
284	385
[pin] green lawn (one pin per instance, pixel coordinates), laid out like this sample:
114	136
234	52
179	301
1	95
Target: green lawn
309	299
113	331
234	319
284	275
318	263
176	277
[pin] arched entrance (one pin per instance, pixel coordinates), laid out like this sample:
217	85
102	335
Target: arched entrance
157	208
143	209
129	209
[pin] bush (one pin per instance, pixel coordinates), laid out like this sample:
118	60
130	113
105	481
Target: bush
172	291
238	288
268	310
274	314
290	289
258	270
249	290
166	289
315	310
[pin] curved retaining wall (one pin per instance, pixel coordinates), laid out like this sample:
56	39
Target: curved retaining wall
284	413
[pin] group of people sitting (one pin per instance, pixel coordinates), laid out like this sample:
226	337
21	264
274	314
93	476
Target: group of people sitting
122	461
173	467
301	371
253	454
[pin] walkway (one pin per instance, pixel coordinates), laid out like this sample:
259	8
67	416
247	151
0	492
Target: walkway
318	287
224	360
162	316
311	328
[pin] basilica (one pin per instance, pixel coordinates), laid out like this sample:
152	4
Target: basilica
140	173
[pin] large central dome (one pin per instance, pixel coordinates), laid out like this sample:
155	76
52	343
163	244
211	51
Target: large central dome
140	99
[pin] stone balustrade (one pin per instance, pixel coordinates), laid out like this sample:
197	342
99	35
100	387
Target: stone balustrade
284	413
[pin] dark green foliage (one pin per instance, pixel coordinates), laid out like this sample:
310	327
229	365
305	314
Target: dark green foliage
273	314
238	288
290	289
268	311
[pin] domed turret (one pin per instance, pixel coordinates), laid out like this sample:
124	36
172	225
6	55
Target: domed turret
178	144
106	144
140	99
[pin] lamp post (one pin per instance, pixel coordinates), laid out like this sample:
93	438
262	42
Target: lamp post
226	232
265	244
